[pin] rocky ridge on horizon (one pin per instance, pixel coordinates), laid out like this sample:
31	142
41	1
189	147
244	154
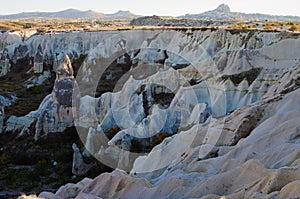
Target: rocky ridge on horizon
223	12
72	14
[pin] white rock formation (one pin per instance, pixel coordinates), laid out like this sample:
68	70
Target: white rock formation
1	117
79	168
4	63
38	61
21	125
232	112
7	100
248	169
232	70
57	111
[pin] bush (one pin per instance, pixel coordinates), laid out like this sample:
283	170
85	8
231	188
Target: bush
294	28
160	137
41	168
36	89
4	158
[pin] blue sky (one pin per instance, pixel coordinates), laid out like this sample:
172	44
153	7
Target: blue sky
157	7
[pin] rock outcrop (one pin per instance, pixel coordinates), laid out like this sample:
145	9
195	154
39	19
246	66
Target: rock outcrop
59	109
246	170
4	63
1	116
38	61
5	101
56	112
79	167
223	12
193	114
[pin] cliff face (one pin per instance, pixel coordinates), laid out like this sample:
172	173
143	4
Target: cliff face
226	100
56	112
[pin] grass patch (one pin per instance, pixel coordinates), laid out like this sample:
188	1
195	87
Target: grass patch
36	89
249	75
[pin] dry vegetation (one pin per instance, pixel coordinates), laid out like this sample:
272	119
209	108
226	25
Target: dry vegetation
43	26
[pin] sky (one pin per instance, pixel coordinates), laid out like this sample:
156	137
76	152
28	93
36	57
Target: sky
154	7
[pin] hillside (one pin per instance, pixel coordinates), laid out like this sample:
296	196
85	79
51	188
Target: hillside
72	14
223	12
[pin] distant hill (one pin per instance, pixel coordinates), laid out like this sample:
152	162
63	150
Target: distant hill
72	13
122	15
223	12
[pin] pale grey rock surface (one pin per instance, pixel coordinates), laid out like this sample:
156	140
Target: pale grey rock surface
242	112
233	112
79	167
6	100
2	115
56	112
254	170
4	63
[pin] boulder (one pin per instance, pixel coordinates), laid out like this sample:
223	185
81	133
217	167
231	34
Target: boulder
20	125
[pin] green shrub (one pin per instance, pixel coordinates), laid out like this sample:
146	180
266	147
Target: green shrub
160	137
294	28
41	168
4	158
36	89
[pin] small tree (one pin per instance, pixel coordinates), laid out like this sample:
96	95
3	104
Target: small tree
294	28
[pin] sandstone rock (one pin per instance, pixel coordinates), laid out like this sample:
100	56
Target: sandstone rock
91	144
21	125
27	197
38	61
113	186
4	63
57	111
5	100
2	115
245	143
71	190
79	167
291	190
47	195
1	118
68	191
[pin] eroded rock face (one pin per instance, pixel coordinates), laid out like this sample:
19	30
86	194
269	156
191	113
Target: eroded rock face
1	117
79	168
248	169
233	71
38	61
4	63
5	101
59	109
229	113
56	112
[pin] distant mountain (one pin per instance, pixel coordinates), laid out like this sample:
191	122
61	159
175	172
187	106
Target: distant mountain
72	13
122	14
223	12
